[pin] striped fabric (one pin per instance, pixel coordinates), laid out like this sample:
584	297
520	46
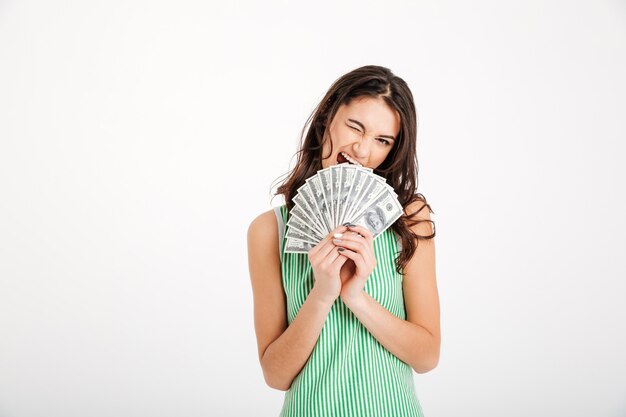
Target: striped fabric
349	373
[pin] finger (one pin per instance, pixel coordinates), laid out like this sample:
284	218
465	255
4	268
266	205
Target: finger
338	233
363	231
328	238
323	249
360	246
367	244
326	245
358	259
353	236
331	256
339	261
353	244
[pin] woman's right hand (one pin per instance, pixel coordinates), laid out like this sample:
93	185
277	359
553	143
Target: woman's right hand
326	262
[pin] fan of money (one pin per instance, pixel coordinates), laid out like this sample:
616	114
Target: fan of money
335	195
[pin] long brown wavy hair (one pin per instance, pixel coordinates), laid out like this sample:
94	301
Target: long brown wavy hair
400	168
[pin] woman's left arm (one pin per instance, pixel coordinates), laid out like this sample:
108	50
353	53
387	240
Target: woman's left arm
417	339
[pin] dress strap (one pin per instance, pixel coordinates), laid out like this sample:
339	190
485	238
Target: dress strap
281	231
398	242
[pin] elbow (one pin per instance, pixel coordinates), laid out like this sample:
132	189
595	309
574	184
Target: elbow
273	381
424	368
426	365
279	387
273	377
429	359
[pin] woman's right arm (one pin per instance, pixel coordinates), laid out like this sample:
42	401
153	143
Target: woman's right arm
284	349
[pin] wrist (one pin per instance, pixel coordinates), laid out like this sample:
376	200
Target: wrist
353	301
319	297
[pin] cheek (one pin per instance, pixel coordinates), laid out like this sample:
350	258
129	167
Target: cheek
384	153
325	148
326	151
326	143
335	139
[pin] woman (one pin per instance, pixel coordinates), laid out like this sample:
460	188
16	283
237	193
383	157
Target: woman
341	328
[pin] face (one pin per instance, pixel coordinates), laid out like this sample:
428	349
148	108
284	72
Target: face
363	132
374	220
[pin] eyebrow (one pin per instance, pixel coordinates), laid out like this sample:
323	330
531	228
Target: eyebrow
363	127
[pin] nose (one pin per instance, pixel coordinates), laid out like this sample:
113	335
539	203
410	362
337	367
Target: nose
362	148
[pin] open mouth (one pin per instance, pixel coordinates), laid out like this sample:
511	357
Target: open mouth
344	157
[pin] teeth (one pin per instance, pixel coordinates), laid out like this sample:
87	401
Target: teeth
345	155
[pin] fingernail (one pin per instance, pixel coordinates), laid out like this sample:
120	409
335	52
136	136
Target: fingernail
338	235
336	240
340	249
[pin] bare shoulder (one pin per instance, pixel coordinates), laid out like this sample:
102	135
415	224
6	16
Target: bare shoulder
263	250
263	240
264	228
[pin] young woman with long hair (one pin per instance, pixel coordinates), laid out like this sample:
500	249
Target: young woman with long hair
342	327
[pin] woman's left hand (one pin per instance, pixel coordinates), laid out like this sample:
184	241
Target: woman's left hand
358	246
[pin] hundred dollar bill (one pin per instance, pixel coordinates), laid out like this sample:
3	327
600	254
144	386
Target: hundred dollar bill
327	187
319	193
306	200
336	174
299	235
373	188
308	217
299	228
347	191
364	184
297	246
359	182
334	195
384	211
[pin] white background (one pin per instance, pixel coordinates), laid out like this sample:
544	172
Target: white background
138	139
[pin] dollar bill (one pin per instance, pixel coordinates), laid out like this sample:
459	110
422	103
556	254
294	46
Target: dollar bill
301	228
381	214
346	190
334	195
306	199
372	189
297	246
302	211
326	185
336	174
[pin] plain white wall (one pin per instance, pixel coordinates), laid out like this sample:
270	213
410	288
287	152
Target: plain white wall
138	139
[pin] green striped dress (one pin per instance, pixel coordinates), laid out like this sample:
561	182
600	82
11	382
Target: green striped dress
349	373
